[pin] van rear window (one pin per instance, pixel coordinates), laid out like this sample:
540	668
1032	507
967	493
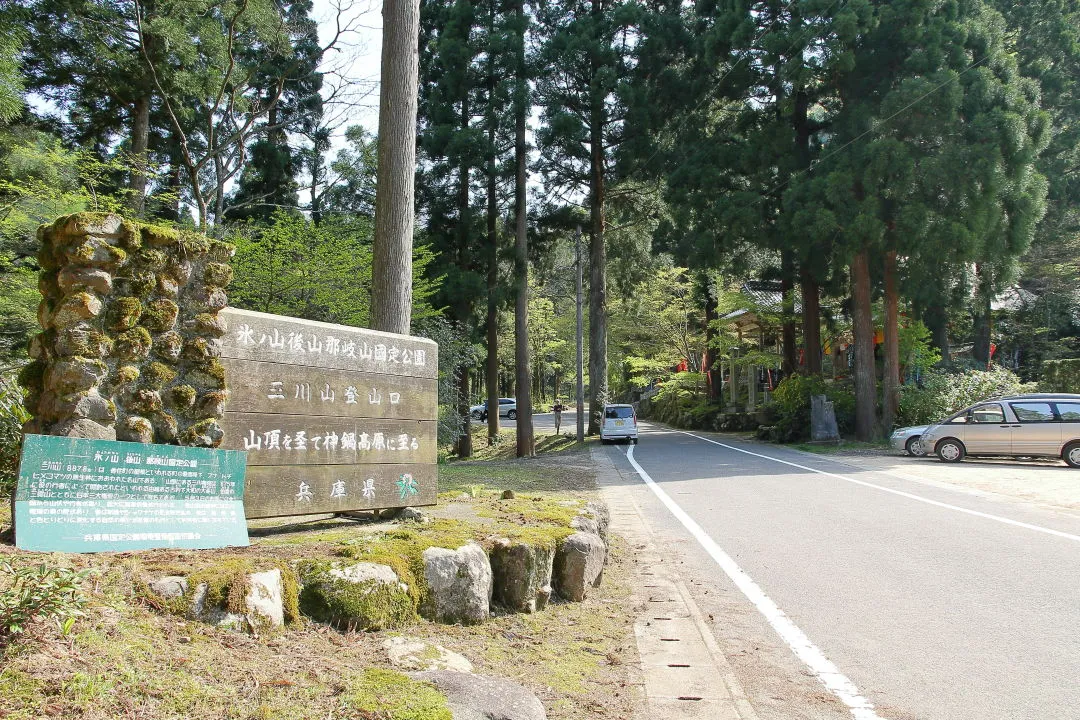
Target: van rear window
1069	412
618	413
1033	412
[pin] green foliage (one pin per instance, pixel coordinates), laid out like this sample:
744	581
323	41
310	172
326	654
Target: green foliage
11	82
13	414
317	272
791	405
679	400
40	593
917	353
1061	376
943	393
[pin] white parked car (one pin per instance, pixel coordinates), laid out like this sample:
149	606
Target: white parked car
619	423
909	440
507	409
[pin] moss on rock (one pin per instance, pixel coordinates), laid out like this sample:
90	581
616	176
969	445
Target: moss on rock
218	274
130	235
151	259
181	397
205	433
159	315
211	325
32	376
370	604
123	313
159	236
168	345
157	375
144	402
125	375
221	251
134	344
138	283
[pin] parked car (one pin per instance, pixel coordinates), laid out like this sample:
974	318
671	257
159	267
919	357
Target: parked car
620	423
909	440
507	409
1037	425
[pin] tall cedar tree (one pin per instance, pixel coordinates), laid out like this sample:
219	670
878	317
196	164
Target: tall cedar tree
583	67
268	182
933	165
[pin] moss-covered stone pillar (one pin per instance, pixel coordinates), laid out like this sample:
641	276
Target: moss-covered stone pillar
130	333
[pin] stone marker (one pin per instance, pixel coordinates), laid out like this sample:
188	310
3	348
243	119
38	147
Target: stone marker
823	420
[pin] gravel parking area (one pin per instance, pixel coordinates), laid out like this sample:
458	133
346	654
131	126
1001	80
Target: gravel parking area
1046	482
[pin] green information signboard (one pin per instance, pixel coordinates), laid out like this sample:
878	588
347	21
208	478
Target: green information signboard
79	495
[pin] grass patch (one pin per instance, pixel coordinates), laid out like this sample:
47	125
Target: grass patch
841	447
389	694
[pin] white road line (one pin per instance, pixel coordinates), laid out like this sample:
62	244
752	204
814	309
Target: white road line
901	493
829	675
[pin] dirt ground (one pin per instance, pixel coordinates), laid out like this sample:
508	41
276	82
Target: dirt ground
128	659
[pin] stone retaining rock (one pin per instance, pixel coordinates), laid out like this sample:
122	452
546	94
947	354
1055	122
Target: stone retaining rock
263	604
481	697
413	654
459	585
521	575
363	596
579	565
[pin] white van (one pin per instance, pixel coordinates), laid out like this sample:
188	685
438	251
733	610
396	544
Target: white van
620	423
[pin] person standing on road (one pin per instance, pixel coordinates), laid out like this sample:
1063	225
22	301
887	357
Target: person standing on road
557	409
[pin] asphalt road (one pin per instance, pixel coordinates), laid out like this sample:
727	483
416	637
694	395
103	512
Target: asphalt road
934	602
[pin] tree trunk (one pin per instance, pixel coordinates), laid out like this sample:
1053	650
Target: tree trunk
787	285
712	376
492	306
493	254
598	361
391	294
865	382
140	134
463	446
525	446
811	313
981	317
890	384
937	320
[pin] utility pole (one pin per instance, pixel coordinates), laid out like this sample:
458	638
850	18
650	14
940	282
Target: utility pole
580	350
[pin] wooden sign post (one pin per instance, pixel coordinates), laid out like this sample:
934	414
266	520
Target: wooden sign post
333	418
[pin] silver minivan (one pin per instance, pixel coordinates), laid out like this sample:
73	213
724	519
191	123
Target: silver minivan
1038	425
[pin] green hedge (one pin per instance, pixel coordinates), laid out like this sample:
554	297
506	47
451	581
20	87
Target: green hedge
1061	375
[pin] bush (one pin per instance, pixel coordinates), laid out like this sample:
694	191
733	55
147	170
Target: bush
790	409
40	592
943	393
12	416
682	402
1061	376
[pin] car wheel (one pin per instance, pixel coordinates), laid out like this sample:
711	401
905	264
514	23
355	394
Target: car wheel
512	415
483	416
478	415
634	441
1071	454
950	450
914	446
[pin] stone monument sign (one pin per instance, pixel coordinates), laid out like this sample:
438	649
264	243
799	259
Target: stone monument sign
333	418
